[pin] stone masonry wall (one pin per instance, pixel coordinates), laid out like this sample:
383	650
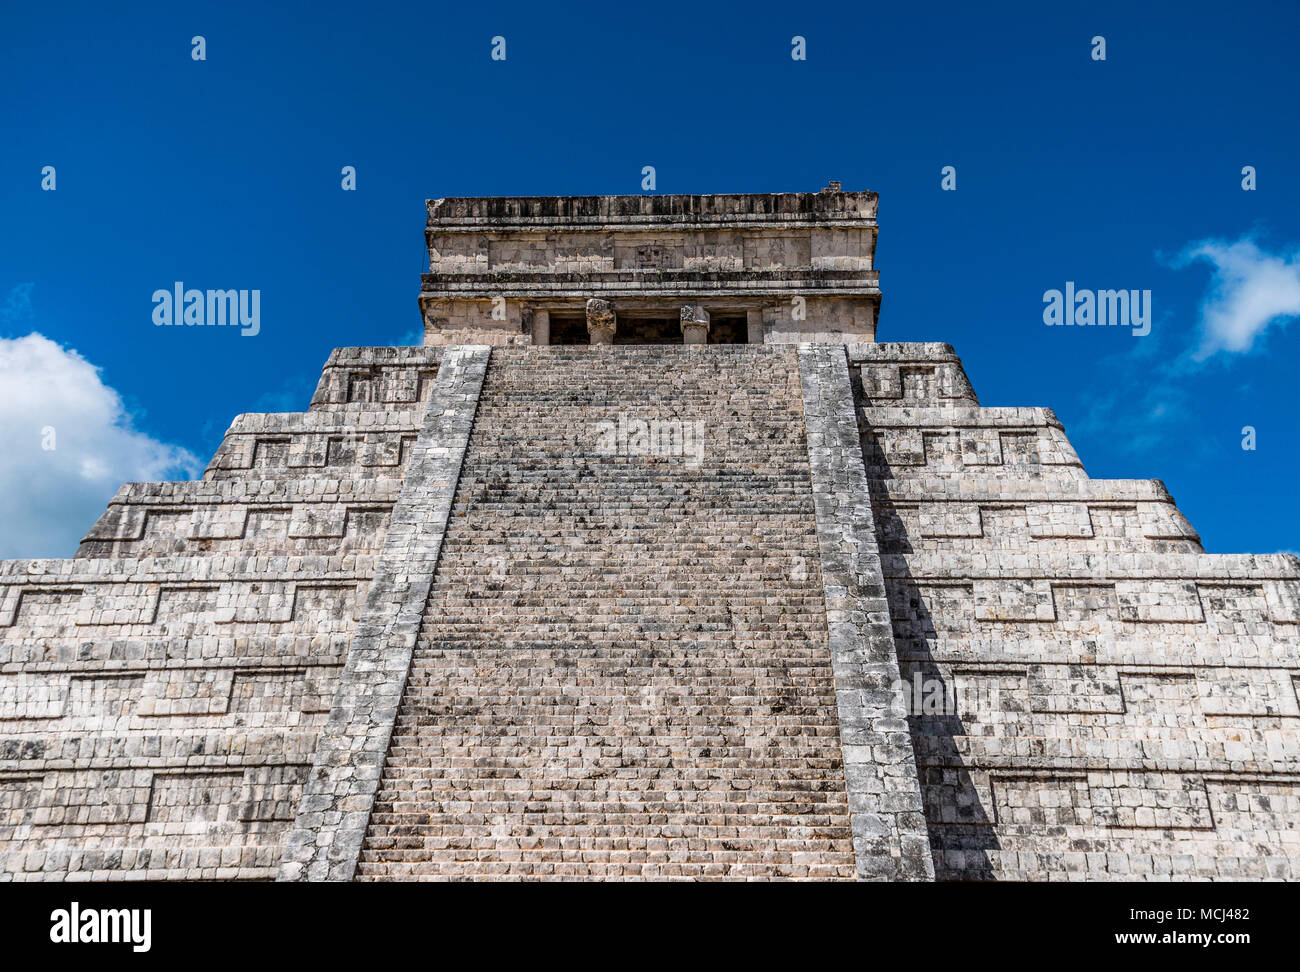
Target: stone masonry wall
1112	703
416	631
161	695
802	264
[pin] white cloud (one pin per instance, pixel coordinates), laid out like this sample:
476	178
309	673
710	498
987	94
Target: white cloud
1249	290
50	497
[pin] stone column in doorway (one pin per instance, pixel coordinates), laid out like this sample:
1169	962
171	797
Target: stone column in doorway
695	324
541	327
754	319
601	321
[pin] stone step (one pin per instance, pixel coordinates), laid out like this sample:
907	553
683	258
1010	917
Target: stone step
623	642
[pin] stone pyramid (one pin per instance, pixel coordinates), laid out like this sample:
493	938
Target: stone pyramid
650	563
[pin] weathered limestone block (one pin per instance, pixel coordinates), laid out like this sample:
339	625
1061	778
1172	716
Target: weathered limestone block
33	695
695	324
1014	600
1053	520
1068	689
602	322
376	377
981	447
318	521
1248	691
218	523
119	522
475	317
1283	601
941	520
1159	601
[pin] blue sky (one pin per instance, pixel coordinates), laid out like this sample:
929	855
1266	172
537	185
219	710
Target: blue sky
226	174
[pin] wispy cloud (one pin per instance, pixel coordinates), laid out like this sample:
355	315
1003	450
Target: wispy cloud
1155	385
1250	289
17	306
1148	397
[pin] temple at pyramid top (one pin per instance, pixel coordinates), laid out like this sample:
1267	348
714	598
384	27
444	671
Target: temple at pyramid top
763	268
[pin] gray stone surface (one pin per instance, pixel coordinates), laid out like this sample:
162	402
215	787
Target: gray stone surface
623	671
799	266
889	831
326	837
1116	704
